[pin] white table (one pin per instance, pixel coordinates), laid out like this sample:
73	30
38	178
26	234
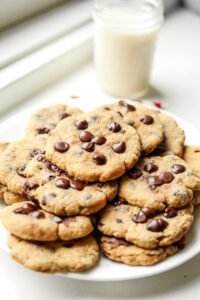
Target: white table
176	76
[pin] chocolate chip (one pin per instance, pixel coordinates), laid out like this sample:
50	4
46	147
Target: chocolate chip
127	106
20	171
89	147
86	136
41	158
149	212
150	167
120	114
134	173
131	123
56	219
68	220
61	147
196	151
114	127
119	221
120	147
42	131
157	225
100	184
36	152
99	159
146	120
170	212
160	149
37	214
62	183
25	209
166	177
106	108
99	140
119	201
81	124
140	217
122	131
154	181
64	115
176	168
51	177
77	184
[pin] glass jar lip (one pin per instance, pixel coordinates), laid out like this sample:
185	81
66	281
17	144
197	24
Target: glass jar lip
142	18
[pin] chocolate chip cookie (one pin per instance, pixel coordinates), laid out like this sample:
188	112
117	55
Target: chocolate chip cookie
146	227
122	251
28	222
62	194
143	119
14	160
174	138
94	146
52	257
159	181
44	120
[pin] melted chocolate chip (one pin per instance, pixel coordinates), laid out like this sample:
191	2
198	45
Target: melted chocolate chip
150	168
140	217
61	147
119	201
170	212
99	159
146	119
42	131
53	168
35	152
81	124
166	177
89	147
176	168
62	183
25	209
64	115
157	225
77	184
120	242
120	147
134	173
155	181
99	140
149	212
114	127
86	136
127	106
56	219
68	220
51	177
119	221
37	214
20	171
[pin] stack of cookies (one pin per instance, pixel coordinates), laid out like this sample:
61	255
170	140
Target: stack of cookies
117	169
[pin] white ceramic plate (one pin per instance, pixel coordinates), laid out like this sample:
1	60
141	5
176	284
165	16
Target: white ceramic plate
13	129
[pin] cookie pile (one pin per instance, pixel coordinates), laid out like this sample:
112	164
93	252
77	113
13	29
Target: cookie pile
117	169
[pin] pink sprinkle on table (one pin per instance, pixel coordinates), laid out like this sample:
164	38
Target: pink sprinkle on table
138	100
158	104
74	97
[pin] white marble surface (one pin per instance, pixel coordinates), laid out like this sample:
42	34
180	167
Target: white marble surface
176	83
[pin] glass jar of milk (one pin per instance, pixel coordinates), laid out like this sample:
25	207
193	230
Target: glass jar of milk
125	36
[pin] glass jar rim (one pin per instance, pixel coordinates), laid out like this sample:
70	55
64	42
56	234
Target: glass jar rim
147	14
